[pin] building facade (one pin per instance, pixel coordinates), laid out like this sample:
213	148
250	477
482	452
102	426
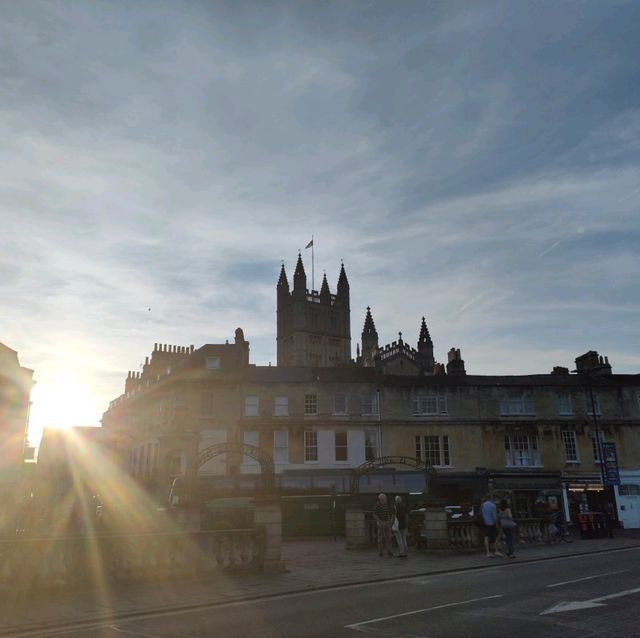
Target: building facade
533	438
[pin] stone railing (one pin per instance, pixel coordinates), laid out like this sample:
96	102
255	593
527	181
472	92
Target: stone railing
468	534
100	559
464	534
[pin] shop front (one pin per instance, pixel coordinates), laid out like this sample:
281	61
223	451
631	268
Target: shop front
531	494
585	493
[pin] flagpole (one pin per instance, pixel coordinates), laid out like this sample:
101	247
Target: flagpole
313	280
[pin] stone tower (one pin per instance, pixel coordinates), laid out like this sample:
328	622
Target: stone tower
314	328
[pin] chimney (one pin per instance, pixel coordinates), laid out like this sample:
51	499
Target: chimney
455	364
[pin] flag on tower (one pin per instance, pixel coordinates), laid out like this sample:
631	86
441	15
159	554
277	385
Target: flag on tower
309	245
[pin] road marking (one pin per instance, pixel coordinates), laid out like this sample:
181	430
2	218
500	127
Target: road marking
132	633
420	611
586	604
577	580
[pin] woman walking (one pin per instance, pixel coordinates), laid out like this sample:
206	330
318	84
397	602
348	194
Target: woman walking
508	525
401	523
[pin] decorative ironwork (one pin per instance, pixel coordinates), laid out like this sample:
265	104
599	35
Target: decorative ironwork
374	464
265	459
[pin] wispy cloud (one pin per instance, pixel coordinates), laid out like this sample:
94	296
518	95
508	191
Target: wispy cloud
477	166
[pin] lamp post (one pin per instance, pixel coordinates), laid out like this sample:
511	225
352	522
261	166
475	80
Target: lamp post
596	426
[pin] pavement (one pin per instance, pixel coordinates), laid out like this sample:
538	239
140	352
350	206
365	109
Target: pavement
312	564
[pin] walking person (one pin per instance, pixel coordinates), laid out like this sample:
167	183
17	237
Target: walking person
382	514
489	517
402	524
508	526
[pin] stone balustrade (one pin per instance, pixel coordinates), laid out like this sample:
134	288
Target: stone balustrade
467	534
104	558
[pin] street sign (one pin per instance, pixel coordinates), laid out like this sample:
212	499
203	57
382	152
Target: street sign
610	460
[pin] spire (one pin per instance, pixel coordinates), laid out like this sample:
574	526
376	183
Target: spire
425	337
369	340
343	287
300	278
369	326
283	283
325	293
425	349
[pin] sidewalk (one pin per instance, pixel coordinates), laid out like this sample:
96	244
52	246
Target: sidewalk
311	564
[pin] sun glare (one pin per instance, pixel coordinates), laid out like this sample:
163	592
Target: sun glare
61	403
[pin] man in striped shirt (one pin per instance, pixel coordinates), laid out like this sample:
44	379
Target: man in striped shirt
383	516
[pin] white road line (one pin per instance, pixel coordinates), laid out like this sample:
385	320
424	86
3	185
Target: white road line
579	605
421	611
626	592
577	580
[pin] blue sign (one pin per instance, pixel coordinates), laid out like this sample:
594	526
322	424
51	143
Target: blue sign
610	460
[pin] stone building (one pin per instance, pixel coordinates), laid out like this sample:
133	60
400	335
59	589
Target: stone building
321	414
16	382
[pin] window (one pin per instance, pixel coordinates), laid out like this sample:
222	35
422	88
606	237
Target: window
250	438
310	404
251	405
281	446
570	446
333	321
565	408
178	400
629	490
206	404
596	403
340	403
594	445
341	446
433	450
521	405
370	445
213	363
370	405
310	446
281	406
429	404
522	450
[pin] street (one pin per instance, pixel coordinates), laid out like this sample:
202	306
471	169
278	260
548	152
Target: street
597	594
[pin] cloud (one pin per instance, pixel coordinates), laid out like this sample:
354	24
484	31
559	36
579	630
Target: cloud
476	166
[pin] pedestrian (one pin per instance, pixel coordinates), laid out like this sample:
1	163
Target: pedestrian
508	526
401	523
489	517
382	514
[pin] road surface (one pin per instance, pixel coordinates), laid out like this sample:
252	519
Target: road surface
578	596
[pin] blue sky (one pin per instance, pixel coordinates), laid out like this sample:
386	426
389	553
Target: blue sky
476	163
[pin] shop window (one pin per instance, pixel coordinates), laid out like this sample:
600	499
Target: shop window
570	442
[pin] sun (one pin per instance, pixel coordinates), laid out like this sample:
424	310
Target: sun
62	402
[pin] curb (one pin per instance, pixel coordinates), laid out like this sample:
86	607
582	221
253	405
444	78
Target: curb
50	629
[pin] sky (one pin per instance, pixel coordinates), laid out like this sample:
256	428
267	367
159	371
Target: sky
477	163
